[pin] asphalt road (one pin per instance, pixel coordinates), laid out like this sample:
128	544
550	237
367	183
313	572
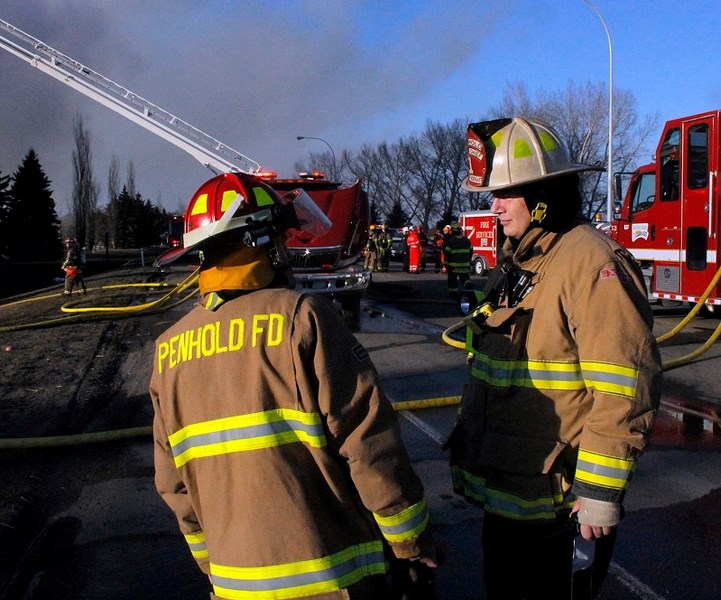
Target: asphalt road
105	534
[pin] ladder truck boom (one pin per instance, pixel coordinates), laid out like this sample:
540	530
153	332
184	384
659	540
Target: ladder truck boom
209	151
325	265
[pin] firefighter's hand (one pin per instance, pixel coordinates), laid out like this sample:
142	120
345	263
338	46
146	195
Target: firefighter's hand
596	518
413	579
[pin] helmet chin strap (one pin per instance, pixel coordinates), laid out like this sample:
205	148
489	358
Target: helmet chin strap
278	255
539	212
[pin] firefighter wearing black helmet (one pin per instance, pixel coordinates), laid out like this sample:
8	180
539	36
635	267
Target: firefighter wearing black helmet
560	400
275	445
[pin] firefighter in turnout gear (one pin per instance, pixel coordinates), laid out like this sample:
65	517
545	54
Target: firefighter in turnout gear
73	267
564	373
371	252
275	445
383	248
457	253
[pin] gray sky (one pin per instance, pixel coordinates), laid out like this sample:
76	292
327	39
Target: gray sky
257	73
253	74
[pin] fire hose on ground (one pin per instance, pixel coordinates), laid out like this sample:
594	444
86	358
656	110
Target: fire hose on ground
80	439
76	313
158	305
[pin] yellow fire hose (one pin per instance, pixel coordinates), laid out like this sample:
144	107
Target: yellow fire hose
682	360
75	313
107	436
57	441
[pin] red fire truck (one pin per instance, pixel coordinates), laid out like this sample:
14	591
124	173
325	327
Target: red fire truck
173	234
326	265
329	264
481	227
669	218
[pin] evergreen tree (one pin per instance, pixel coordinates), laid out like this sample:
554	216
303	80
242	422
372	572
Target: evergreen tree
33	227
5	203
397	217
139	222
447	218
126	225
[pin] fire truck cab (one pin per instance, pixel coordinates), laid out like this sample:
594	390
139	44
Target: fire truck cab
669	218
330	264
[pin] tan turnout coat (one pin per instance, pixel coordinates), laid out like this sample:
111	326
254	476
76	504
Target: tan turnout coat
277	450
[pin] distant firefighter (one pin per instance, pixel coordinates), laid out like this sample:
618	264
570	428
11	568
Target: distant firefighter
457	253
414	251
73	267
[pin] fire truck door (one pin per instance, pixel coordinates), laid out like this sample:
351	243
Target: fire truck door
698	204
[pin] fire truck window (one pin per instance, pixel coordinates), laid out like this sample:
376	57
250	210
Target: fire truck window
698	156
696	246
644	192
669	166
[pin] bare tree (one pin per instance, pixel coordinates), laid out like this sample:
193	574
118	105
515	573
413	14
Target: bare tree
113	193
85	189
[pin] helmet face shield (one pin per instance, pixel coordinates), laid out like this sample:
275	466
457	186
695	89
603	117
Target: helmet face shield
244	209
306	215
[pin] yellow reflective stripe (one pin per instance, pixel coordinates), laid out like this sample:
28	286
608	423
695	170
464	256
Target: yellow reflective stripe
196	543
213	301
513	506
506	504
603	470
521	149
227	199
551	375
528	373
407	524
246	432
262	198
610	378
302	578
547	141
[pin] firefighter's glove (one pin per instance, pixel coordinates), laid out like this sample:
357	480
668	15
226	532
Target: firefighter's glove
476	319
412	580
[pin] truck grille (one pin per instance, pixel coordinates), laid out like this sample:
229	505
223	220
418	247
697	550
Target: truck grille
310	259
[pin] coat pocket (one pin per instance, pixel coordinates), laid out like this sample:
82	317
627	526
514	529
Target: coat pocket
523	456
506	333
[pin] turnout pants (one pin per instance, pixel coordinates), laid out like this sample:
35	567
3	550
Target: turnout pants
534	561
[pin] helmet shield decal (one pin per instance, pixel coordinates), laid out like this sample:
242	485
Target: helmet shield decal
477	164
481	149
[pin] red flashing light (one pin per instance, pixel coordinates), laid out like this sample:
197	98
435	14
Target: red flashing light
267	174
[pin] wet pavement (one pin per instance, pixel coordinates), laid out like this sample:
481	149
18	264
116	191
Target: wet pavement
112	538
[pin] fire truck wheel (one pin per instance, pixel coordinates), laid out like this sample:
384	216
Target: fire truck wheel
479	266
350	307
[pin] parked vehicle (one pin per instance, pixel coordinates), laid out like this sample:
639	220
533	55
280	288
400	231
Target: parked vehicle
481	227
669	216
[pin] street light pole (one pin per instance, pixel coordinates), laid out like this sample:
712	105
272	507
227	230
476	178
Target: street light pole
609	191
305	137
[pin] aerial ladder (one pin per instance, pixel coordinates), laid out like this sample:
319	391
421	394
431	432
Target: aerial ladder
209	151
326	265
